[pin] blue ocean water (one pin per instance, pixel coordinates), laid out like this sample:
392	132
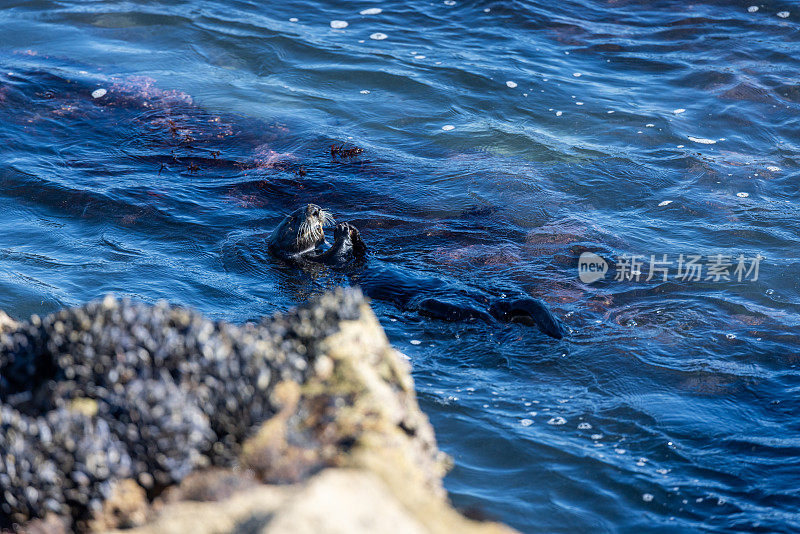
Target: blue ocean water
150	147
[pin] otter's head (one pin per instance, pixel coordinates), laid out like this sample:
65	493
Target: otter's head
300	231
312	219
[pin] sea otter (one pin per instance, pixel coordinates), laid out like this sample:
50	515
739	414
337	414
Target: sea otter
300	236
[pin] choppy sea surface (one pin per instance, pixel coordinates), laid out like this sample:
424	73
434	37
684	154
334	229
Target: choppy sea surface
148	148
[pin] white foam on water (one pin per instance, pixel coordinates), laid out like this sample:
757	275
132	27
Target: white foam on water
339	24
419	56
294	19
701	140
679	146
364	91
664	203
487	9
361	41
378	36
678	111
752	9
662	471
647	497
584	426
559	113
743	195
773	168
371	11
526	422
577	74
99	93
783	14
533	414
511	84
610	111
649	125
525	94
620	451
448	127
449	2
415	342
557	421
578	103
596	436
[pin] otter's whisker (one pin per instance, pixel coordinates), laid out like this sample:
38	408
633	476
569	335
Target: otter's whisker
302	234
327	218
309	232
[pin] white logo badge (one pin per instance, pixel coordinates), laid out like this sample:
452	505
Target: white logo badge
591	267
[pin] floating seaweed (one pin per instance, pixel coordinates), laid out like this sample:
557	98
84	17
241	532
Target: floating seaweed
345	153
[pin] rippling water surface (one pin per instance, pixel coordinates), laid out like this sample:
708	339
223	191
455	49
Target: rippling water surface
501	140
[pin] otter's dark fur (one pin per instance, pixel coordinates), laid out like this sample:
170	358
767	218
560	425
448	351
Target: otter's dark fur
429	296
347	247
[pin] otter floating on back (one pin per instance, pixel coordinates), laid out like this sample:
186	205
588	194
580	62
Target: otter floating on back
300	234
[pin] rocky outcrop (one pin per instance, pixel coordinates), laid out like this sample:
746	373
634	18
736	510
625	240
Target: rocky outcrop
160	420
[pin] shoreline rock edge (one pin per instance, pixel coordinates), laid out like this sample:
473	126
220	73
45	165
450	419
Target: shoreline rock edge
345	447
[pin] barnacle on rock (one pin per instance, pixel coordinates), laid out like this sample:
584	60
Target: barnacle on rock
118	414
118	390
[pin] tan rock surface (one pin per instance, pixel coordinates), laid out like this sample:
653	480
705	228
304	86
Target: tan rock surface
359	453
